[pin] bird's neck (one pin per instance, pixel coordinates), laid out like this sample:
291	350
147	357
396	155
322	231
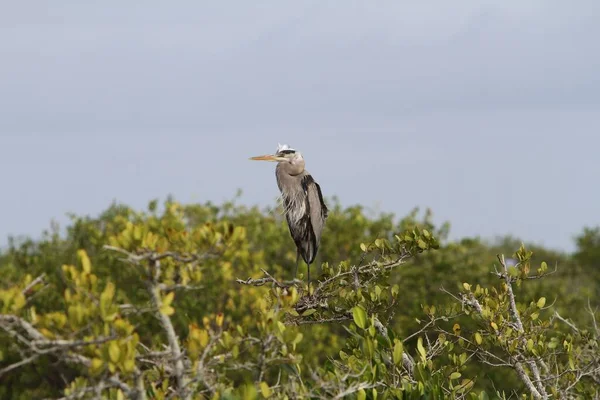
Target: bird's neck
291	168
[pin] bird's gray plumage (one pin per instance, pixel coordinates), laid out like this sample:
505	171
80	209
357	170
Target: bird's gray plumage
302	200
304	209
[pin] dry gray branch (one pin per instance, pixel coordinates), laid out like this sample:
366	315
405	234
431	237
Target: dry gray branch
563	320
172	337
540	391
40	279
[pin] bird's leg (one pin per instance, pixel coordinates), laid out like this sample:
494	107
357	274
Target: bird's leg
297	261
308	276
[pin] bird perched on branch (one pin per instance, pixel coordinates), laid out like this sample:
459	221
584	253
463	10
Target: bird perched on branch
303	203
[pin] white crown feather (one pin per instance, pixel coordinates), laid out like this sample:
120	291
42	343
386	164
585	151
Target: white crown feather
282	147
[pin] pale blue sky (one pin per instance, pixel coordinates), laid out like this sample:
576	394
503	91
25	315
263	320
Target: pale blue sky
486	111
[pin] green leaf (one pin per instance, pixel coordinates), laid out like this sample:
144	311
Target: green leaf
249	392
421	348
422	245
397	353
85	261
281	326
541	302
129	365
535	316
360	317
455	375
308	312
265	390
363	247
529	344
571	362
478	338
372	330
114	352
167	310
96	366
298	338
378	291
361	394
106	298
168	299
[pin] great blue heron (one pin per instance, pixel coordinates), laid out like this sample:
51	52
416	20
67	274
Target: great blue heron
303	203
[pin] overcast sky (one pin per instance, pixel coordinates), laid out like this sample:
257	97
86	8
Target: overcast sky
486	111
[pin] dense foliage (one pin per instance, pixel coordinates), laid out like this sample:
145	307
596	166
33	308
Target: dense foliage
197	301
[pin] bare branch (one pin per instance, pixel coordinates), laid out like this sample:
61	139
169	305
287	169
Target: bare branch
407	361
12	320
172	338
527	381
153	256
541	392
27	290
268	279
569	324
593	315
16	365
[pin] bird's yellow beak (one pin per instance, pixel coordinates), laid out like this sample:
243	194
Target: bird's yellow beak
266	157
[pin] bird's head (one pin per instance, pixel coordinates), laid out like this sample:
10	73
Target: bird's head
284	153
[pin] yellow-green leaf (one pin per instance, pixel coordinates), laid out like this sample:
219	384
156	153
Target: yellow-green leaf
298	338
421	348
360	316
535	316
398	350
114	352
456	329
96	366
129	365
361	394
478	338
167	310
281	326
168	299
265	389
203	337
455	375
541	302
85	261
372	330
219	319
18	302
